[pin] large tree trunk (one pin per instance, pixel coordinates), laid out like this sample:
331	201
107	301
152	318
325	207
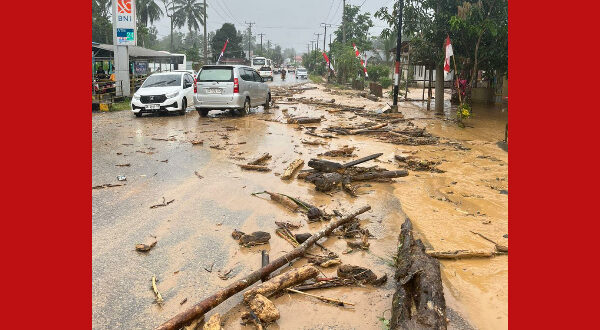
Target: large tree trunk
418	302
439	89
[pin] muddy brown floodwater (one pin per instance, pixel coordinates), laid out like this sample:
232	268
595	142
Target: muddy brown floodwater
212	197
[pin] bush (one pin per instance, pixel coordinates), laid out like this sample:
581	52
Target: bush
385	82
377	72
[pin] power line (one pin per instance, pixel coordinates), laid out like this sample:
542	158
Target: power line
329	12
227	10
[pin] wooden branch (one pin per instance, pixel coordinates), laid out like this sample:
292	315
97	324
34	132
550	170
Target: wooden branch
255	167
215	299
282	281
159	298
325	299
499	248
461	254
260	159
289	171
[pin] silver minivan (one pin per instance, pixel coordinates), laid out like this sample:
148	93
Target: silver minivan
230	87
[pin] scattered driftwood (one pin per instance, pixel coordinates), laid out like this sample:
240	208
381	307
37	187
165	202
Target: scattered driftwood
159	298
264	309
281	199
282	281
499	248
374	175
315	142
144	247
288	225
304	120
325	283
254	167
123	165
289	171
199	309
260	159
419	165
214	323
196	142
323	136
107	185
463	254
218	147
198	175
419	298
256	238
344	151
325	299
398	138
164	203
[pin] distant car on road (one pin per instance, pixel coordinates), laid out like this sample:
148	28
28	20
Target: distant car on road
301	73
276	70
164	92
230	87
291	69
266	73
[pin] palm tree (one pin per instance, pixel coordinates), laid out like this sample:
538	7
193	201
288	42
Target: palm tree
190	12
147	11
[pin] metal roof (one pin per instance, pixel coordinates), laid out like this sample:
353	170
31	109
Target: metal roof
105	50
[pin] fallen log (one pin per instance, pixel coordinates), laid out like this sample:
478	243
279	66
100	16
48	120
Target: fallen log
362	160
367	129
282	281
289	171
260	159
199	309
418	287
304	120
462	254
374	175
322	165
255	167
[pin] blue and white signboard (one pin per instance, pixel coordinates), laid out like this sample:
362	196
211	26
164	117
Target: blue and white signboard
124	22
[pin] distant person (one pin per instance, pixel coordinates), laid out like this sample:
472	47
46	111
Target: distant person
100	71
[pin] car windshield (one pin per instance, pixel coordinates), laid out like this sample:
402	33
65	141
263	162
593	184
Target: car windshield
301	70
258	61
265	68
216	74
162	80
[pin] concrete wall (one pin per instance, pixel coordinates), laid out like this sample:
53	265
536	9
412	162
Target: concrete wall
482	95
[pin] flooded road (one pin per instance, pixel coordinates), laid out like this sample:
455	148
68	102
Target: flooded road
212	197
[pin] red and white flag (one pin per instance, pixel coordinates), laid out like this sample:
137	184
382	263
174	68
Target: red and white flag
328	62
223	51
449	53
361	61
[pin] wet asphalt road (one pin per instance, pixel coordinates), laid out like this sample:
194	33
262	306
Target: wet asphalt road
194	231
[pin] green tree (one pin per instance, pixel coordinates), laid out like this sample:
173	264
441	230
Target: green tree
147	11
357	28
234	47
346	64
102	30
480	30
147	36
190	12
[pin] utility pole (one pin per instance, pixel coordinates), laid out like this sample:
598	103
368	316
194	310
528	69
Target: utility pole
398	52
344	23
205	38
330	42
325	25
318	34
261	35
249	36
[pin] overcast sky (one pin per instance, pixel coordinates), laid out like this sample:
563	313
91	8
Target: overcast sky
286	23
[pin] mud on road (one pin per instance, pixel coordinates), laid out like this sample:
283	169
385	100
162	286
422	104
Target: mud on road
212	197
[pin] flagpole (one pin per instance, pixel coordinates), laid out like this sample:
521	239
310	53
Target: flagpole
456	74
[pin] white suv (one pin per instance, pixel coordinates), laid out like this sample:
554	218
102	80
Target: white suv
230	87
164	92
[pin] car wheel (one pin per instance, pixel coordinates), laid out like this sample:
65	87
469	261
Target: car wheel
183	106
246	109
203	112
267	104
138	114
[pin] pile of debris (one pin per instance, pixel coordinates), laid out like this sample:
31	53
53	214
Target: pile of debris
327	175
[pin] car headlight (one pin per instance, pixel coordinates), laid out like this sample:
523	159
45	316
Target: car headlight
171	95
136	96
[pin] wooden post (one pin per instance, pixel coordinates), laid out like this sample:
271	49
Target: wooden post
457	84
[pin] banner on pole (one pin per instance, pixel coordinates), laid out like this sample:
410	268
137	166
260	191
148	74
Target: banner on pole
361	61
223	50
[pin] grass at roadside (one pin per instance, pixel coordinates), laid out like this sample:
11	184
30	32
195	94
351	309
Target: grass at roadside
315	78
120	106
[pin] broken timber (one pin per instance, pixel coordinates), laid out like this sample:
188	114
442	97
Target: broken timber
199	309
418	286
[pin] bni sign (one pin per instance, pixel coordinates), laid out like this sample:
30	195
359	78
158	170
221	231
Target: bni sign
124	22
